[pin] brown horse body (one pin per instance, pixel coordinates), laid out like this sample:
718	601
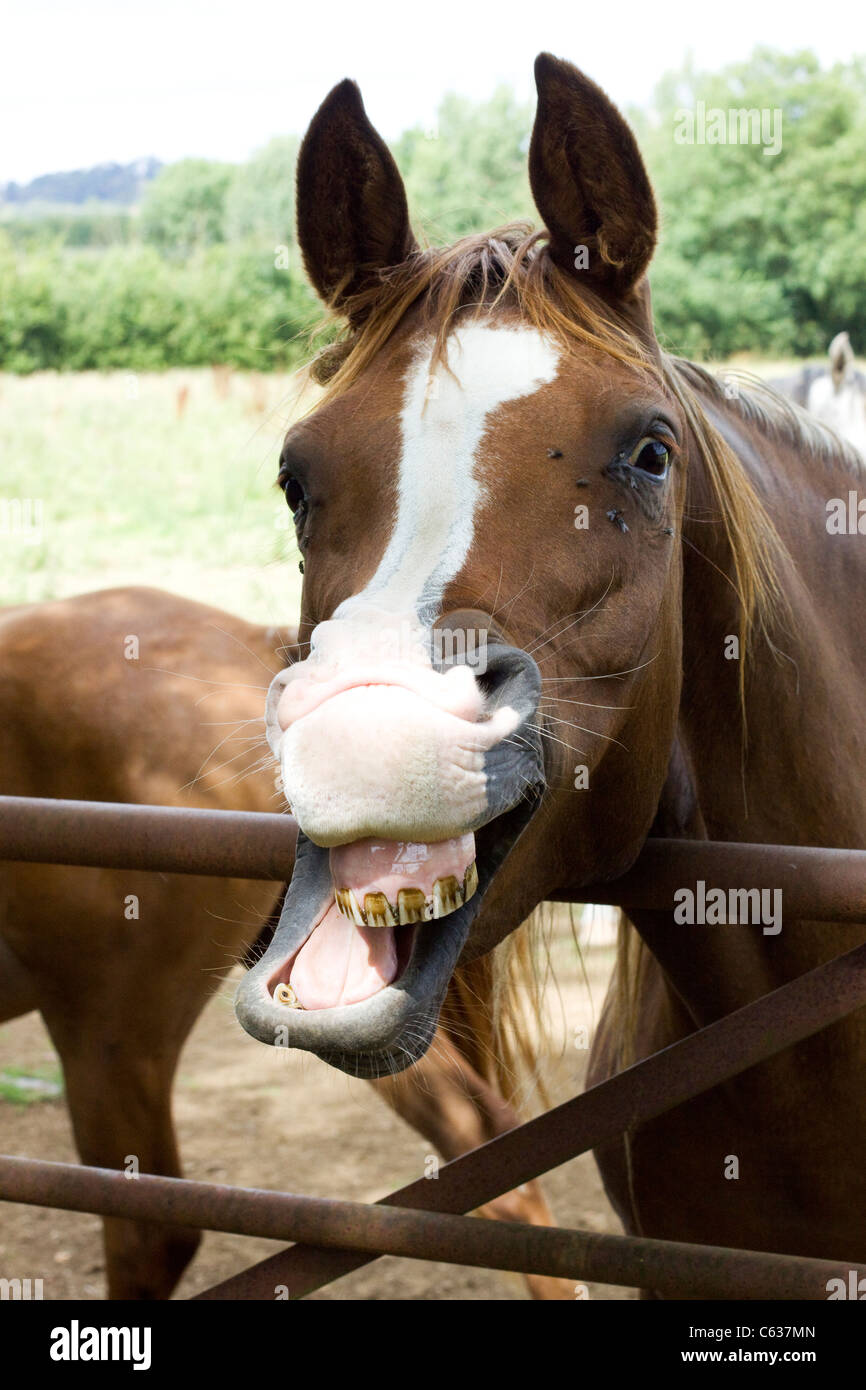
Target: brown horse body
150	687
160	701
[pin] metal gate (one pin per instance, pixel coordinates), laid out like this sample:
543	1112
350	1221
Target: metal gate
426	1220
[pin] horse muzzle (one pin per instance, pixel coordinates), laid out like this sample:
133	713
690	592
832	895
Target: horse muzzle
374	922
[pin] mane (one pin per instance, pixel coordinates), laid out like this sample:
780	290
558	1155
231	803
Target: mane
509	267
758	403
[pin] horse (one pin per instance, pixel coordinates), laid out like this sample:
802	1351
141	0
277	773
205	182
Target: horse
839	397
563	591
836	394
160	701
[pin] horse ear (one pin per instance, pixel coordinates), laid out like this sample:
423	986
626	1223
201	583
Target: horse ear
351	204
841	356
588	181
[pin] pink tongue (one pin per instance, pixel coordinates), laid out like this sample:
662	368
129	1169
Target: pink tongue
343	964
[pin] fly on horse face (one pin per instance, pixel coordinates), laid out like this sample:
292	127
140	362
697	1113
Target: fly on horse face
505	462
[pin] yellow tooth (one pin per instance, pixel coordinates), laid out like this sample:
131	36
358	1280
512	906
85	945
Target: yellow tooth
284	994
411	905
355	912
378	911
447	896
470	882
347	903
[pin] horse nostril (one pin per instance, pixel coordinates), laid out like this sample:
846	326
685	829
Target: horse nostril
463	638
487	682
511	678
504	674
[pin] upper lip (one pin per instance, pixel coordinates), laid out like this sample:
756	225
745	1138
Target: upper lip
416	682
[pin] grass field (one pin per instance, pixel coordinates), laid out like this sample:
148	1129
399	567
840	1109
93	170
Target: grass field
163	478
167	479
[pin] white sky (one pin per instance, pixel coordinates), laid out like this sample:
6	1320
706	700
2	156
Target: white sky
83	81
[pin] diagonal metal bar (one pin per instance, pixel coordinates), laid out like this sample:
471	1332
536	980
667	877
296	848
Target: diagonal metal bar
649	1088
700	1271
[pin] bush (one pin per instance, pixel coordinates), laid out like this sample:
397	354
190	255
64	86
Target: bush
131	308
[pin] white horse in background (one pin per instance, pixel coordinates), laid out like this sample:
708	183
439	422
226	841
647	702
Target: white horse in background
835	396
838	397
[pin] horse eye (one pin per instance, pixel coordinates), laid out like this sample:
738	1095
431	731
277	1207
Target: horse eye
651	456
295	495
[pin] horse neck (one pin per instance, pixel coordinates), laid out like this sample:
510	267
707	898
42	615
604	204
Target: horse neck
764	765
784	765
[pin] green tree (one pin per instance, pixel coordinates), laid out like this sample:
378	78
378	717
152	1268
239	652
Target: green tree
779	237
184	207
469	172
757	251
260	202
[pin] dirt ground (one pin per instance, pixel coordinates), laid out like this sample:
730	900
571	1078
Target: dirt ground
255	1116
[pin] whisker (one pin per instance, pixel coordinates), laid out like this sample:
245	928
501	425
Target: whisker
578	619
583	730
606	676
184	675
560	700
234	637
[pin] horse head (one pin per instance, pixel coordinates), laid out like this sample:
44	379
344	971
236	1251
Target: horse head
487	500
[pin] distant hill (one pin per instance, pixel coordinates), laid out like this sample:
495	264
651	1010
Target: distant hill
120	184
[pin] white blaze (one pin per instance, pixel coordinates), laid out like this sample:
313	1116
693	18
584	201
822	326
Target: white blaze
442	424
371	738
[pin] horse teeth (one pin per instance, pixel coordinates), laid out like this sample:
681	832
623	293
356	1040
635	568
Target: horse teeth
411	905
447	896
284	994
470	882
378	911
348	904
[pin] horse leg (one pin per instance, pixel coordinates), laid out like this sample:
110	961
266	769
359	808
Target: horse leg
119	1001
19	991
447	1100
119	1097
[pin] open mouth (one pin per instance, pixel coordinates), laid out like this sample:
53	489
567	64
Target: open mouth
381	890
371	930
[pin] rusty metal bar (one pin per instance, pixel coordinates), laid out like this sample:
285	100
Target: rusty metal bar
658	1083
670	1267
828	883
170	839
